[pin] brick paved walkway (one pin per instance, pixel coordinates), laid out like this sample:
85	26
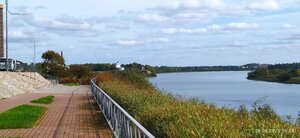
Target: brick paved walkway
73	114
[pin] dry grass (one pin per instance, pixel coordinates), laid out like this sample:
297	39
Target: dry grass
167	116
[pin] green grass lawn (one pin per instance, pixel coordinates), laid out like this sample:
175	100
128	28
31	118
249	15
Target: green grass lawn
23	116
72	84
44	100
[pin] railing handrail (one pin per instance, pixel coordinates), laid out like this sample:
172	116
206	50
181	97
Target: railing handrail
130	118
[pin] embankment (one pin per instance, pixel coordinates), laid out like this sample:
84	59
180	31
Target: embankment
16	83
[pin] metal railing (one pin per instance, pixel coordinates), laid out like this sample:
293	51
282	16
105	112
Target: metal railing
122	124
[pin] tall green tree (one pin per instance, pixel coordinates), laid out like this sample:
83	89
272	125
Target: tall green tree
53	64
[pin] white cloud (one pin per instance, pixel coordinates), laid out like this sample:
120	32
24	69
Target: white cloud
142	42
18	37
169	30
264	5
64	25
241	26
26	36
215	4
158	40
153	18
129	42
196	11
287	26
119	25
190	4
195	4
184	30
212	28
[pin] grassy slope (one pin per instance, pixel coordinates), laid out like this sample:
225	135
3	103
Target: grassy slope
24	116
44	100
167	116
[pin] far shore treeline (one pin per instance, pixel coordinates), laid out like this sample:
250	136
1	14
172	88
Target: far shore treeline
168	69
79	71
283	73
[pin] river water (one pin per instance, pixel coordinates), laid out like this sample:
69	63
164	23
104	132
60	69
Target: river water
231	89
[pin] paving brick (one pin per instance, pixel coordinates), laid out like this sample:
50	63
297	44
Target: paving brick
73	114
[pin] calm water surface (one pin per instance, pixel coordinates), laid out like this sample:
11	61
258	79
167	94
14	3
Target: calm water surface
231	89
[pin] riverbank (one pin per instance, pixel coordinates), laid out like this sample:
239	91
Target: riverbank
165	115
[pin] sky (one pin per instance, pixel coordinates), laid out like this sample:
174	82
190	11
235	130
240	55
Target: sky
157	32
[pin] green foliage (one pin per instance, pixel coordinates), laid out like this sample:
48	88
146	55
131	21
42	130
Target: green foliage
44	100
285	66
100	67
146	70
263	111
286	73
297	72
167	116
166	69
134	77
53	64
53	57
259	73
72	84
24	116
298	120
284	77
79	71
38	67
242	111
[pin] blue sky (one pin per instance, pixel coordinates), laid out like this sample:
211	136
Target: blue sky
158	32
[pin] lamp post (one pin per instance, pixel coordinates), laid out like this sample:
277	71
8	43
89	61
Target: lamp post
6	29
34	51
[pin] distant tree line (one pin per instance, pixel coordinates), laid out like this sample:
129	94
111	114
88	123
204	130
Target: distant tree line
54	65
166	69
285	66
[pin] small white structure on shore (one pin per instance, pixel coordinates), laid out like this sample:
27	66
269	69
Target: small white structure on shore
119	67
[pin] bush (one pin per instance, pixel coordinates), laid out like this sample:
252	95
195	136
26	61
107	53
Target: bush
261	72
79	71
284	77
82	81
134	77
242	112
68	80
298	120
